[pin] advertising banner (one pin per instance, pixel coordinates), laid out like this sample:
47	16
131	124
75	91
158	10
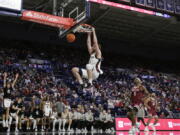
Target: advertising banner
163	124
151	133
47	19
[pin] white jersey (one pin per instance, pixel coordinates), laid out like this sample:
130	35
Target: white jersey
89	116
47	105
95	62
47	108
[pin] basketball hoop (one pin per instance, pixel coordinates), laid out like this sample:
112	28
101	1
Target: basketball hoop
84	28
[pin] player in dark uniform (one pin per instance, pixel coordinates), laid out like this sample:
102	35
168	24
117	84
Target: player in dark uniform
21	117
151	105
8	88
37	116
137	99
15	112
24	116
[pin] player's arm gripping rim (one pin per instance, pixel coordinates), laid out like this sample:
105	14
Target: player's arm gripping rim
96	45
90	50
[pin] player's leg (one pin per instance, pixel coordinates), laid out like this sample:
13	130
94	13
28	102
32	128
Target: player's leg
41	119
35	124
155	122
26	119
10	122
4	114
132	117
64	123
140	117
60	123
138	123
69	124
30	122
89	69
54	123
7	104
17	122
148	122
7	117
44	122
48	123
20	122
4	117
76	73
94	76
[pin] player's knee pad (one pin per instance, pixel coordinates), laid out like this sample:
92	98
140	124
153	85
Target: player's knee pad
89	67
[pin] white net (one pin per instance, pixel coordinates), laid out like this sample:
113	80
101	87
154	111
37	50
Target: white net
83	28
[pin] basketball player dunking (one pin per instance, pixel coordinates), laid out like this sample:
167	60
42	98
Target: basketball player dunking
151	105
93	69
138	94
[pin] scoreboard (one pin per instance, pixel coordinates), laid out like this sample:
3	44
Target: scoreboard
15	5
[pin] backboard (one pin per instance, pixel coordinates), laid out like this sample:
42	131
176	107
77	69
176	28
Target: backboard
78	10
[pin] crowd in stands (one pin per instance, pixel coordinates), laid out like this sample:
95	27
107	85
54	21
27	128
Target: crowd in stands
46	75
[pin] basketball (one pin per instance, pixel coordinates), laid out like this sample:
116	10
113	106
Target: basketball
70	38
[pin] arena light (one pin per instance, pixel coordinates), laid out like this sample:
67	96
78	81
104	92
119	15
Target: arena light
127	7
11	4
123	6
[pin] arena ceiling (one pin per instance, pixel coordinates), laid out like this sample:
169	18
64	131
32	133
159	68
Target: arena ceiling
117	24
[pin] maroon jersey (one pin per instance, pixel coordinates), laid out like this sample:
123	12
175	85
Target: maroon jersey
152	104
137	96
